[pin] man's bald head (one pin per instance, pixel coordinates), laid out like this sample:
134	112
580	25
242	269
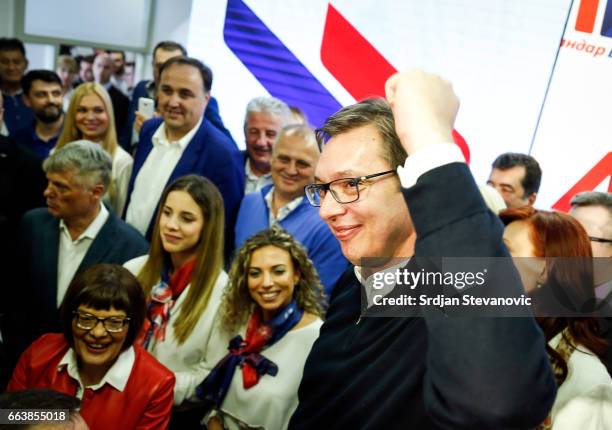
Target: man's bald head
102	68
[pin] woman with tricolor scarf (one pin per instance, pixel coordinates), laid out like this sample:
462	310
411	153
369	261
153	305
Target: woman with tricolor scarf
183	279
269	319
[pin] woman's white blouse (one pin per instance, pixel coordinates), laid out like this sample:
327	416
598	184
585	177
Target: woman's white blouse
585	373
270	403
188	359
120	179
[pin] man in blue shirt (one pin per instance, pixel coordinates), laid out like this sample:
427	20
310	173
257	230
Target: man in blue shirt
42	92
13	64
294	158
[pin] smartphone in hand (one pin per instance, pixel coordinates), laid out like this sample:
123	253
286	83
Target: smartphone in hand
146	107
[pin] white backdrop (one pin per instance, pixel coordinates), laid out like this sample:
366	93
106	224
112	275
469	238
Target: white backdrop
499	55
574	132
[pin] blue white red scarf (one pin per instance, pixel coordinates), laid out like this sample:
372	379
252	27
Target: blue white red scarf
247	354
163	297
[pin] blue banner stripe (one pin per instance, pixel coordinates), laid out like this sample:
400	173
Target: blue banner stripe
276	68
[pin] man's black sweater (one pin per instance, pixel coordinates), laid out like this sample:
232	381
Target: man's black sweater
429	372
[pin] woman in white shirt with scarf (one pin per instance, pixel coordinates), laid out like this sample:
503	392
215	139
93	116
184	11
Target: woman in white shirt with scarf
269	319
183	279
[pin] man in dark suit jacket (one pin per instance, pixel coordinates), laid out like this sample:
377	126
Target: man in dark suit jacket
22	182
102	70
182	143
162	52
433	370
75	231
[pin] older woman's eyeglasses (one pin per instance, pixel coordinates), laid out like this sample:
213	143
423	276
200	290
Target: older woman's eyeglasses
88	322
344	190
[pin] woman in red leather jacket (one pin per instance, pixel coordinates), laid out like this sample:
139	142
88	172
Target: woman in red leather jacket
120	385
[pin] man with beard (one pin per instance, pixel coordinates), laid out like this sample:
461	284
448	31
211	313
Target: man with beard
102	71
118	68
42	92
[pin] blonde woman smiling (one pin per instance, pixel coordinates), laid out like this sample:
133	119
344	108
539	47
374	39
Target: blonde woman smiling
90	117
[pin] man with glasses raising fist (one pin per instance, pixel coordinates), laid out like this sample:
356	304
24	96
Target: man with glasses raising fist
428	371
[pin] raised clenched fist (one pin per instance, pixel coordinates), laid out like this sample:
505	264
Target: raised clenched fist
424	107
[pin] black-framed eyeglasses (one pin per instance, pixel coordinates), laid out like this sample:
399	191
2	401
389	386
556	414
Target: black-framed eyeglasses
599	239
344	190
88	322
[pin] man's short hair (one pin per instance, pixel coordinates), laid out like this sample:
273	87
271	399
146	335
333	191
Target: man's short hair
373	111
168	45
116	51
304	132
269	105
533	173
39	398
85	59
91	162
593	198
204	70
12	44
47	76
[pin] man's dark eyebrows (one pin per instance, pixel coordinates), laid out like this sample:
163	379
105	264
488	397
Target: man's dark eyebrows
346	174
340	175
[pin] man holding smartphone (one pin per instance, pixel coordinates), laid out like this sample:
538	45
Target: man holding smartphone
147	88
182	142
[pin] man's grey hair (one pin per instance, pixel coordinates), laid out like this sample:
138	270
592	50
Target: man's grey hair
593	198
91	162
303	132
269	105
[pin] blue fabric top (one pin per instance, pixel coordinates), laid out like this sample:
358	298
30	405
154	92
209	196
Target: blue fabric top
16	114
306	226
28	138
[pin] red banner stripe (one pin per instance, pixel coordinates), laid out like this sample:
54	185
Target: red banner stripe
585	21
351	59
588	182
358	66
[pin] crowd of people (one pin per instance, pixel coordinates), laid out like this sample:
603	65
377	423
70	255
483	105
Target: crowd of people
156	276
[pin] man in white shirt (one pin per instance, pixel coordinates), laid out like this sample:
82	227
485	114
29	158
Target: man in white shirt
75	231
180	143
265	117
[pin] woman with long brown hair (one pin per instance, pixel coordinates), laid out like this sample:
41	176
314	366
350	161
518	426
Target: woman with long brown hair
557	272
183	279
